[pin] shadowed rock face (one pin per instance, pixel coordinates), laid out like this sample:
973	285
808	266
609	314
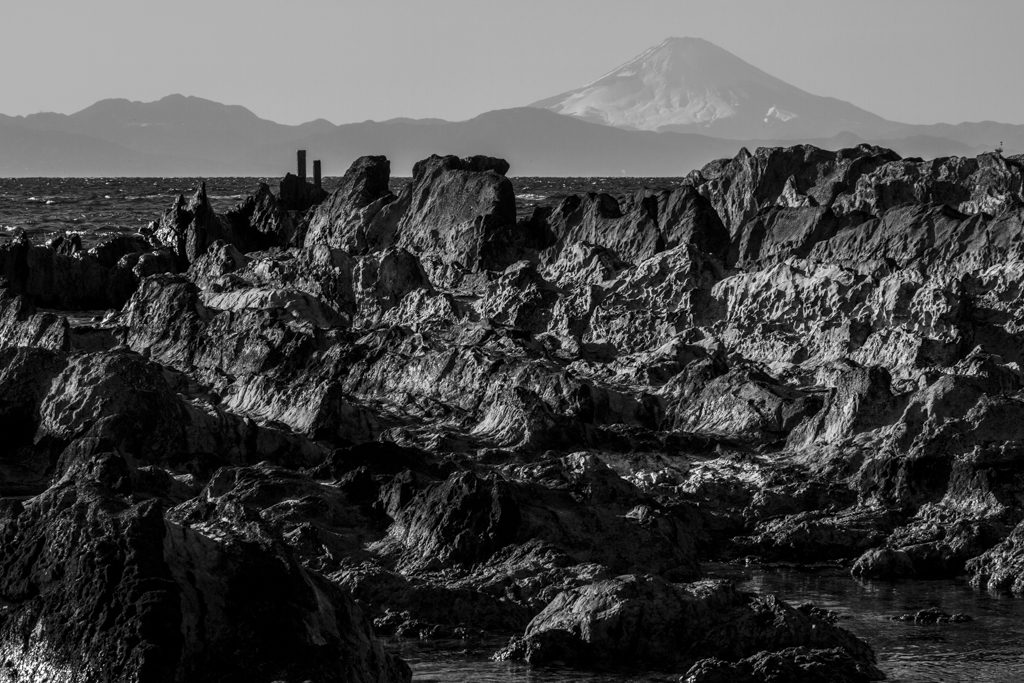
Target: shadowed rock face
261	221
639	228
443	422
65	276
635	619
296	194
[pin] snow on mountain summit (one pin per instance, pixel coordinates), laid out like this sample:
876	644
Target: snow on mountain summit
692	85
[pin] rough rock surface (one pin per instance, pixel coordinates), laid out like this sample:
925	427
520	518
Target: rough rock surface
639	620
422	413
261	221
63	275
348	218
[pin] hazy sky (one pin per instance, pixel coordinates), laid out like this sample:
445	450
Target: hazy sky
915	61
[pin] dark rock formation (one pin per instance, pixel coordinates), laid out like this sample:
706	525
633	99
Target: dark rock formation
299	195
244	591
421	409
933	615
642	226
646	622
986	184
188	227
1001	567
168	592
259	222
460	216
792	665
62	275
191	226
348	219
22	325
800	176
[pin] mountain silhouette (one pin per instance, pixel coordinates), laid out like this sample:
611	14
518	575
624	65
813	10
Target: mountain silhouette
675	107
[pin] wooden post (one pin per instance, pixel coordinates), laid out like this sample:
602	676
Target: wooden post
316	174
302	164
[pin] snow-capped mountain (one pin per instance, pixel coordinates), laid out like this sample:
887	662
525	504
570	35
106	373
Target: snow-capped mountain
691	85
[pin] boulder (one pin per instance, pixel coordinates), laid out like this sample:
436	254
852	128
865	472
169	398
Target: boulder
191	226
166	594
460	220
744	404
348	218
884	563
22	325
792	665
466	520
243	591
638	620
84	548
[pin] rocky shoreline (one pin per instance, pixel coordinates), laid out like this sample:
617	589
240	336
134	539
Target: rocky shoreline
316	420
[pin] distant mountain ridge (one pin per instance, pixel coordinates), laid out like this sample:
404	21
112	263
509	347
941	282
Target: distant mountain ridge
677	106
175	126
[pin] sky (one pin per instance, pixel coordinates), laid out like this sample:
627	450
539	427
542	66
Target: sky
913	61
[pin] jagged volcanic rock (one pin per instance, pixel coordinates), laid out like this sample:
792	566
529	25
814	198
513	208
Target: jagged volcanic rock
348	218
171	592
639	620
64	276
259	222
191	226
456	423
459	217
800	176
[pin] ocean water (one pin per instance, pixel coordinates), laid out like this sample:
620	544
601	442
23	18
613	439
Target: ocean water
98	208
988	649
101	207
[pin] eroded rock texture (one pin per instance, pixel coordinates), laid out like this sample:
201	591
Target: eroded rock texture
316	418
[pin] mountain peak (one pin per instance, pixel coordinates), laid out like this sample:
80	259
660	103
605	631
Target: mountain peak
686	42
170	109
686	83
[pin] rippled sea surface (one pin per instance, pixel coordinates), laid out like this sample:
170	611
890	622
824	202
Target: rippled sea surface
101	207
989	649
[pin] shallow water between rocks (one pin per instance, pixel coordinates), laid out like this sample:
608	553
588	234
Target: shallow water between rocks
989	649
